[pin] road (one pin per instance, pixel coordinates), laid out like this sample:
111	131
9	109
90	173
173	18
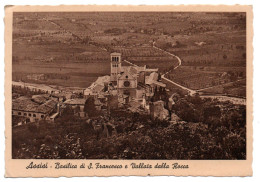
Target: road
234	100
65	30
190	91
130	63
223	98
218	85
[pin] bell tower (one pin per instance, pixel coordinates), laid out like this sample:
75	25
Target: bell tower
115	65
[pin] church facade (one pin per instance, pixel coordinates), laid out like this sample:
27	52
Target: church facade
133	82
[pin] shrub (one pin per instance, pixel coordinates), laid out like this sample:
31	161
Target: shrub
32	127
48	139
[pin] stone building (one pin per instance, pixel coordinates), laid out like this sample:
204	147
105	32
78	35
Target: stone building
77	105
157	110
133	81
32	111
126	83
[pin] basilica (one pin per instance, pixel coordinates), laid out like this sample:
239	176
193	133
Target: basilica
133	82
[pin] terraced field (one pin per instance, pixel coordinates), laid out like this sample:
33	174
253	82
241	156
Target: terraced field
202	41
149	56
69	74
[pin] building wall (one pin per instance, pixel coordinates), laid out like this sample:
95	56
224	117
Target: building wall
140	93
133	83
30	115
112	102
141	77
157	110
128	91
115	66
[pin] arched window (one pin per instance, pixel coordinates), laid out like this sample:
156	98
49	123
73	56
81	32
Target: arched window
30	114
42	116
34	115
19	113
25	114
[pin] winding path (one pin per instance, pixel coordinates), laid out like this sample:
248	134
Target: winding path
234	100
191	92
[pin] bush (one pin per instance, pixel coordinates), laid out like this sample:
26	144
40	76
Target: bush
48	139
32	127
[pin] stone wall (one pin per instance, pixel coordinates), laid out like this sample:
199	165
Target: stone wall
33	116
157	110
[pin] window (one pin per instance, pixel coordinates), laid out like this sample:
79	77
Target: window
19	113
42	116
30	114
126	83
25	114
126	76
34	115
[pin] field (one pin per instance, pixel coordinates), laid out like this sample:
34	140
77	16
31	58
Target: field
211	44
148	56
42	42
211	80
73	49
220	49
70	74
237	89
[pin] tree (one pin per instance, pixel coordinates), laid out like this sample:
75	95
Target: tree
68	111
90	108
159	77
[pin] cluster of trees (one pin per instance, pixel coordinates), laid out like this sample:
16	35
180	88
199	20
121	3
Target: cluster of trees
117	31
160	94
212	112
212	130
57	76
25	91
168	45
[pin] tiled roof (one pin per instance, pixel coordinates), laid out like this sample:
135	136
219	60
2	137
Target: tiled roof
76	101
98	88
47	107
40	99
27	104
151	78
44	109
132	70
24	104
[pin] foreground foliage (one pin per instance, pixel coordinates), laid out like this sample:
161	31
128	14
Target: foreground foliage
210	130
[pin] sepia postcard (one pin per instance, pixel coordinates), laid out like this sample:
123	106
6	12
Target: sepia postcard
128	90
